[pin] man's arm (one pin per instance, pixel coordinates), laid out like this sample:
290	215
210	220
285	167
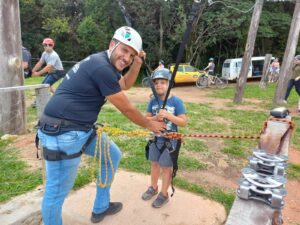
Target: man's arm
121	102
130	77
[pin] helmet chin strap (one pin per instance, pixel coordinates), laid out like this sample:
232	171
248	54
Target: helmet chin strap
109	53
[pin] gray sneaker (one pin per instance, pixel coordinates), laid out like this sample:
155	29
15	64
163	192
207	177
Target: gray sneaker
160	201
149	193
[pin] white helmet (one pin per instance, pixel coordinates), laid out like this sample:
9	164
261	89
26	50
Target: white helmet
130	37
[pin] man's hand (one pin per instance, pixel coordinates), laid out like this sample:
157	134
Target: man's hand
157	127
139	57
297	78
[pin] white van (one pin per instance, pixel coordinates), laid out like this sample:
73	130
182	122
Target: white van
232	67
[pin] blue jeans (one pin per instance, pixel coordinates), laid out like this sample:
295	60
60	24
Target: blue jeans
51	78
60	175
292	83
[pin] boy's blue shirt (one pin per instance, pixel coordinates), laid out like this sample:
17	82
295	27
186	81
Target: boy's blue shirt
174	106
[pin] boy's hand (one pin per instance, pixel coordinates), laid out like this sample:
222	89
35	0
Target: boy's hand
163	113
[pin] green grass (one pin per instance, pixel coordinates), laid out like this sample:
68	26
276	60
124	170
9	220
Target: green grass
15	179
234	147
190	164
194	145
253	91
216	194
293	171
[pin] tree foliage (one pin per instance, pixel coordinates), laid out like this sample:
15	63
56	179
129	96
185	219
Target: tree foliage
81	27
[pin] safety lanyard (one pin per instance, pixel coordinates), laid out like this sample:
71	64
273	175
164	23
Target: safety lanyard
195	9
148	71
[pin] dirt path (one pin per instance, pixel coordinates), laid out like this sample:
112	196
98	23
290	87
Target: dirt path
219	172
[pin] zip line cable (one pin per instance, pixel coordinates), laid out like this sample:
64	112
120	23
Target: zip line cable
211	2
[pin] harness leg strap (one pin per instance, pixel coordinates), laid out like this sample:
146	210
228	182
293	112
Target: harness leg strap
54	155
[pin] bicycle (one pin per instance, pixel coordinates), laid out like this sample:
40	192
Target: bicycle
220	82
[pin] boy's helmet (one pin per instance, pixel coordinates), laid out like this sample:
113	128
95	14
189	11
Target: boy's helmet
130	37
161	74
211	59
161	61
48	41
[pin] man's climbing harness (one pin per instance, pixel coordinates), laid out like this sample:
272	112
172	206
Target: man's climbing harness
54	126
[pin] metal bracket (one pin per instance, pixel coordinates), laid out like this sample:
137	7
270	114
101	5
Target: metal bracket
271	196
267	168
263	181
266	157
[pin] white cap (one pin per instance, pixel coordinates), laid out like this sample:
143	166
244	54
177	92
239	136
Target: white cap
130	37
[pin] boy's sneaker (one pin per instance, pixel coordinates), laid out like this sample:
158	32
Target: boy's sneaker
149	193
160	201
114	207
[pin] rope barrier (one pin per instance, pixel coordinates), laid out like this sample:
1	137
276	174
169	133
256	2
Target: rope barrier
105	149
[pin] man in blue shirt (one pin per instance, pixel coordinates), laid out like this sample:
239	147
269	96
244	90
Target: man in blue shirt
26	62
68	117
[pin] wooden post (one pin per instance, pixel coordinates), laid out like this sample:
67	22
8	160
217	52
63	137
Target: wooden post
12	107
42	97
264	78
248	51
284	74
249	212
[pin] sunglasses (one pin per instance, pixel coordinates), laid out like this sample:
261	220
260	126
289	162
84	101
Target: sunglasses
47	45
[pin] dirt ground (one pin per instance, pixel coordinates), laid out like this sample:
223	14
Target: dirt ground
219	172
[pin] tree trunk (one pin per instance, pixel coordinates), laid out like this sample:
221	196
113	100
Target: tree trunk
248	51
264	78
127	17
284	74
12	108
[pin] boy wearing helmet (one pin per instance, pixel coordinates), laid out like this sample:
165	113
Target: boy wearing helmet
295	80
161	151
54	69
160	64
65	128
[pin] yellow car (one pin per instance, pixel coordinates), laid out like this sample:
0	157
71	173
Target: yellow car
186	73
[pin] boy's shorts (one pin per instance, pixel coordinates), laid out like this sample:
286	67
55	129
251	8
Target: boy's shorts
164	158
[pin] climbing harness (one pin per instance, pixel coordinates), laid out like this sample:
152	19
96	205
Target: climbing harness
54	126
173	152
